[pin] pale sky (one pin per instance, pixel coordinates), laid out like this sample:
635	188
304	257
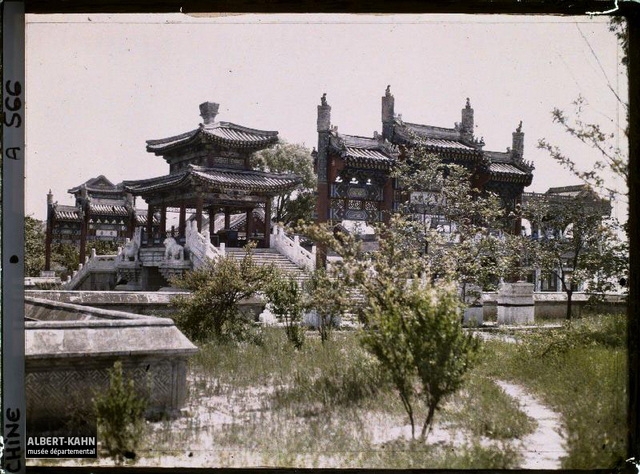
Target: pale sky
99	86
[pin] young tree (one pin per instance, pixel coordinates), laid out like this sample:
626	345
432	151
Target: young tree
212	310
295	159
416	335
285	296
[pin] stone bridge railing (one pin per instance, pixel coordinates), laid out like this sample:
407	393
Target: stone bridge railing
93	263
200	248
292	249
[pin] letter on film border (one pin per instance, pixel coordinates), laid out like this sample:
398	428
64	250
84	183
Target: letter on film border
13	143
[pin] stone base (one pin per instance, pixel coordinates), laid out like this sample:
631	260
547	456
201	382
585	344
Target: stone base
515	303
473	316
515	314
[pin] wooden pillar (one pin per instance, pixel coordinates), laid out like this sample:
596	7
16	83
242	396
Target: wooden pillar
163	221
182	222
250	226
49	238
267	223
84	224
227	218
199	204
150	225
212	223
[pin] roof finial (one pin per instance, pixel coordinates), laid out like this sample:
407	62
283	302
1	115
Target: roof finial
323	99
519	129
387	92
468	106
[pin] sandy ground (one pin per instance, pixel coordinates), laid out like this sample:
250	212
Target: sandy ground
544	448
210	416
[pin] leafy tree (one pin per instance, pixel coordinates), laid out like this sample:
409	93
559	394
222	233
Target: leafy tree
295	159
463	228
212	310
285	296
577	244
416	335
34	246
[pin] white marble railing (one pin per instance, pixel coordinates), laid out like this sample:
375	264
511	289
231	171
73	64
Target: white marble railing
292	249
91	263
200	248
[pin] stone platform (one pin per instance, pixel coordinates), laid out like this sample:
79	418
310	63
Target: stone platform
69	349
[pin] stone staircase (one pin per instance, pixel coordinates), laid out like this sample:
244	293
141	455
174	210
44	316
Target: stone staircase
271	256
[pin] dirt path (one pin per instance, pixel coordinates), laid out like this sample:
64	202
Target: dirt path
544	448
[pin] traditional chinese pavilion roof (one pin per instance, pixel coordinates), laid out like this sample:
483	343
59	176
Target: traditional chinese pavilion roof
363	151
108	210
504	166
218	180
66	213
99	184
222	133
437	139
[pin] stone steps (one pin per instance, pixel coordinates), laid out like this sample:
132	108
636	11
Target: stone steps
271	257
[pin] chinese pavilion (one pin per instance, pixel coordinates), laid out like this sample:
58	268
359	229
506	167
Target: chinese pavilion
102	212
210	171
354	181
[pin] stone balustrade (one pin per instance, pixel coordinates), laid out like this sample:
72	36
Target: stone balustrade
292	249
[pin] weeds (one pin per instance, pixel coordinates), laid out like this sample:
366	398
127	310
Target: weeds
120	414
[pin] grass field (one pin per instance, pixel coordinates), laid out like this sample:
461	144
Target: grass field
330	406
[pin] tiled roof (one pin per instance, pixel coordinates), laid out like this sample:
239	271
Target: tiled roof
225	133
108	210
363	150
98	184
507	169
67	213
221	180
435	138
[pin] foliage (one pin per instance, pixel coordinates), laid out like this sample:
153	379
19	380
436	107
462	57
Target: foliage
212	310
293	159
34	246
120	413
463	228
285	296
415	333
327	297
577	244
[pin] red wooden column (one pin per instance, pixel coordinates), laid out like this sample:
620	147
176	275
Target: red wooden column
163	221
250	226
150	225
182	222
84	224
212	223
199	205
267	223
227	218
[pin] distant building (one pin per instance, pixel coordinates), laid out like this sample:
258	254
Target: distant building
354	173
103	211
555	198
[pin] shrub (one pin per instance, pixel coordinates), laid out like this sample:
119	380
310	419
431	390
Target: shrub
285	297
212	310
120	413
